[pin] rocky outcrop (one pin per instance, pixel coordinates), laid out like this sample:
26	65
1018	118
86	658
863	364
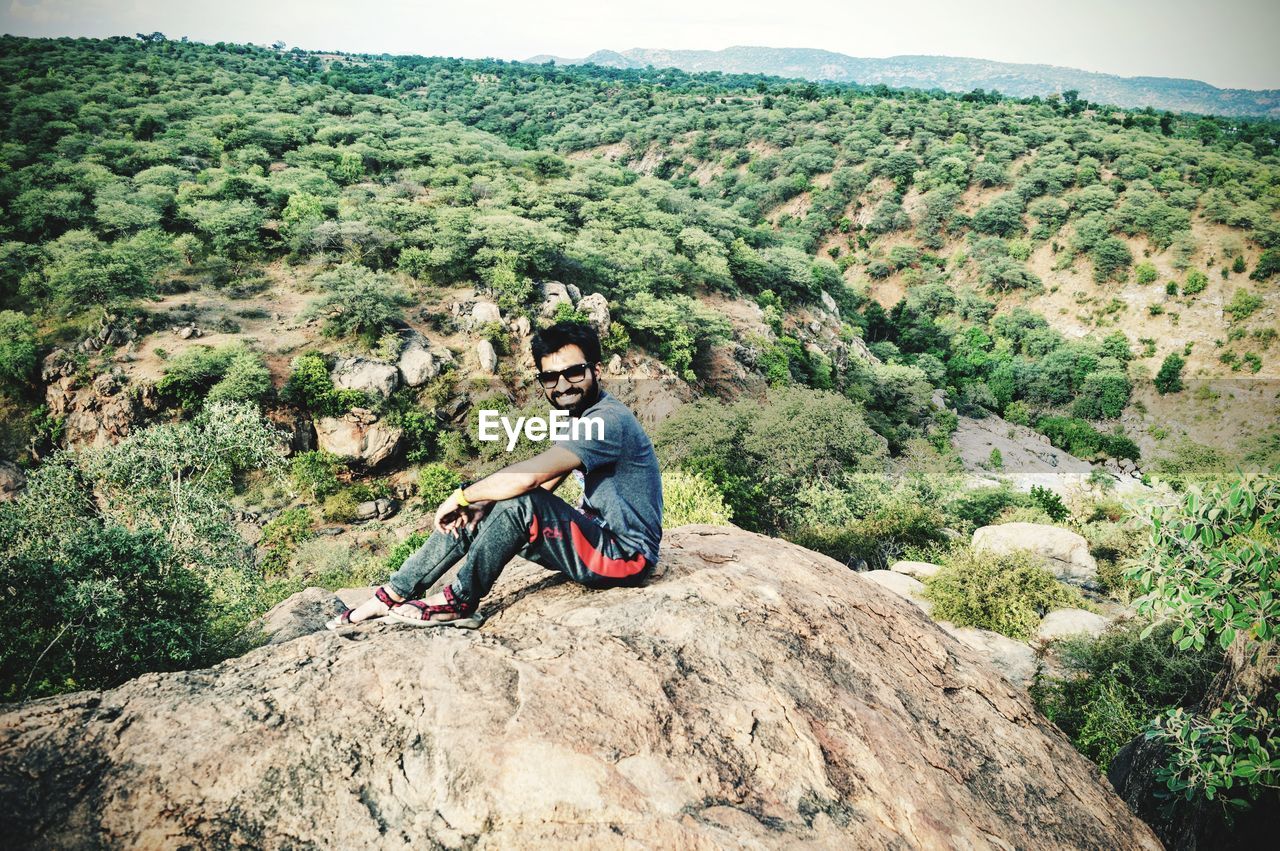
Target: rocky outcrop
1012	658
358	436
368	376
100	414
753	694
487	357
596	306
554	294
483	313
902	585
1065	553
419	361
921	570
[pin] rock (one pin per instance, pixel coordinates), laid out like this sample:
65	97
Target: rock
902	585
614	366
752	694
368	376
830	303
98	415
1065	553
522	326
419	362
106	384
485	312
487	357
299	614
375	509
918	569
597	307
1064	622
59	363
358	436
12	480
1015	660
939	399
554	294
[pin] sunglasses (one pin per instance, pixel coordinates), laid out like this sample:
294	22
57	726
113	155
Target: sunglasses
573	374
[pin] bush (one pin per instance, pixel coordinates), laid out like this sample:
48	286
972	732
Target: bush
1195	283
1243	304
358	304
1049	502
1145	273
340	507
316	472
1113	685
435	483
310	388
102	606
1008	594
203	374
401	551
1084	441
17	349
281	537
689	498
980	506
1169	378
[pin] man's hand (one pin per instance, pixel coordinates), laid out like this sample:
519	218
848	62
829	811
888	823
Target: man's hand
450	516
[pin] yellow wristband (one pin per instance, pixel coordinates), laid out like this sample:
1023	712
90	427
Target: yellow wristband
462	499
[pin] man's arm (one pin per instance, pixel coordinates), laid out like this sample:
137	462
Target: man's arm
546	468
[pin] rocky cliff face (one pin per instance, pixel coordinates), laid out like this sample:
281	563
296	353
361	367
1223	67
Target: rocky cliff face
754	694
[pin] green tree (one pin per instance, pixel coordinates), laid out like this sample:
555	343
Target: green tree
358	303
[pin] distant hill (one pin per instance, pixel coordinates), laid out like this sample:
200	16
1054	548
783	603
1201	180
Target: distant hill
950	73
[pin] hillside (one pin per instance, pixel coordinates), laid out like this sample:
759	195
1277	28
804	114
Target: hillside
252	302
949	73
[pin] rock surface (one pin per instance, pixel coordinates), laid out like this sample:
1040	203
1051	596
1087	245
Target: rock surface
487	357
596	306
1063	622
1015	660
369	376
1065	553
916	569
358	436
902	585
419	362
753	694
12	480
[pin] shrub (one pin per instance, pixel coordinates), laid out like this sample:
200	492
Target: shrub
1243	304
1049	502
281	537
1195	283
877	540
435	483
1169	378
358	303
1008	594
203	374
340	507
1113	685
980	506
689	498
1268	265
17	348
310	388
1145	273
316	472
401	551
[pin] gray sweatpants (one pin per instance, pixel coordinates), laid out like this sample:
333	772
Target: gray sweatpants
538	525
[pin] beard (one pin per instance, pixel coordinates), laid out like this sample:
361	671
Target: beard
576	399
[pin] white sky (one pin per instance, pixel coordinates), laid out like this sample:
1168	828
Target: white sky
1231	43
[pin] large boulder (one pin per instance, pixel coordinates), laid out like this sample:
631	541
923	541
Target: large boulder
358	436
1064	552
904	586
419	362
752	694
484	313
554	294
487	357
1061	623
596	306
1012	658
369	376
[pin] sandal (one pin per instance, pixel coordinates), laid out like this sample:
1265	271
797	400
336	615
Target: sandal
344	619
470	617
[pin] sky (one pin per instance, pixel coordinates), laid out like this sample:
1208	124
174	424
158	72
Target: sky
1230	44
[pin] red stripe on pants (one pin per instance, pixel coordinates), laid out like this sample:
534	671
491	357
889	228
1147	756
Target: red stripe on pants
599	563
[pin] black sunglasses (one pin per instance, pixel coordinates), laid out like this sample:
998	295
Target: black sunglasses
573	374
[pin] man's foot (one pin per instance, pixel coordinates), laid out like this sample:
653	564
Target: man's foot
439	609
379	605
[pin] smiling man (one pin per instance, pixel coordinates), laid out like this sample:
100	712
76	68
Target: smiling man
611	539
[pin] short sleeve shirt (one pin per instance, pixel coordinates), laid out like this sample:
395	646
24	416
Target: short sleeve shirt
621	480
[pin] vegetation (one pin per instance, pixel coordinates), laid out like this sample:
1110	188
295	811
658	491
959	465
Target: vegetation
1008	594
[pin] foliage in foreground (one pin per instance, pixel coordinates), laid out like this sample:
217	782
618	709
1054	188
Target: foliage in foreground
122	560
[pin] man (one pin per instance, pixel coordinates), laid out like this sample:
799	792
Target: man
612	540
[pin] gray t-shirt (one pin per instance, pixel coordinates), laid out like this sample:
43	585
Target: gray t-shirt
621	480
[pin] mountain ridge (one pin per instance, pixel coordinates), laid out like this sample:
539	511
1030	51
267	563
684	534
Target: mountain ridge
950	73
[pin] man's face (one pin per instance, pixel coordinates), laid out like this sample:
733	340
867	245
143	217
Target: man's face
567	395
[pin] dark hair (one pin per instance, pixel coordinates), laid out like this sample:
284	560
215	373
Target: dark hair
556	337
